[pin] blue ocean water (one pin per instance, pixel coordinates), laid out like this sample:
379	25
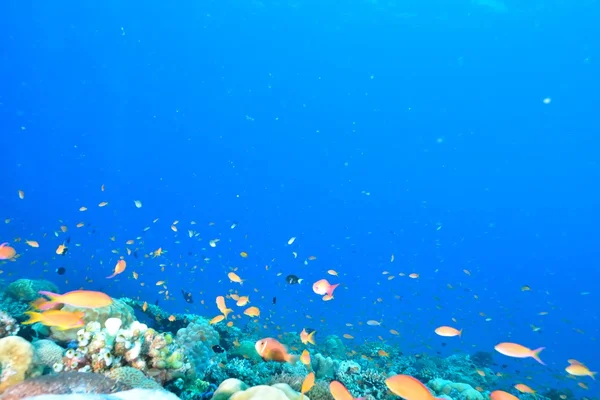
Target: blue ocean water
452	135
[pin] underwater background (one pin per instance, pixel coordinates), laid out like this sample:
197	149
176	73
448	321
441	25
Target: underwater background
456	141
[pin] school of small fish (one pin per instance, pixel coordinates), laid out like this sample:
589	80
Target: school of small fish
133	250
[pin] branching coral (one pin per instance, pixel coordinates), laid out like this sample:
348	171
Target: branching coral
8	325
103	349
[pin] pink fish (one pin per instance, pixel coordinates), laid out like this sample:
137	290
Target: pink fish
323	287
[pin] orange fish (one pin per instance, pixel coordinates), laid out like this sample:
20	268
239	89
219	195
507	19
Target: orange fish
339	391
61	250
408	387
323	287
216	319
32	243
222	307
233	277
271	350
60	319
580	370
305	358
77	298
306	337
448	331
37	303
308	383
252	312
7	252
242	301
502	395
119	268
518	351
523	388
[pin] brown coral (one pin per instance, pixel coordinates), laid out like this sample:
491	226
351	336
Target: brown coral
16	357
133	377
63	383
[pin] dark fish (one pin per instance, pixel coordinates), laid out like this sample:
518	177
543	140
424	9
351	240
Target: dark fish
156	302
64	251
187	296
293	279
135	254
218	349
274	300
69	240
61	270
443	343
309	330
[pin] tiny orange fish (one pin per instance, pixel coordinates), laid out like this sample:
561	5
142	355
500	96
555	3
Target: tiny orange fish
119	268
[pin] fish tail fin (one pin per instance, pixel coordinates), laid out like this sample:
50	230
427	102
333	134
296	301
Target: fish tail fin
535	354
593	375
111	276
300	280
33	317
227	312
50	295
292	358
460	333
311	338
332	288
49	304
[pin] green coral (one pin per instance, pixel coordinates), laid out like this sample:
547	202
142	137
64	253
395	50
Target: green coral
26	290
246	350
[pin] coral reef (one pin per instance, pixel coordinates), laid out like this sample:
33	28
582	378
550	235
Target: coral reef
103	349
16	359
26	290
117	309
324	367
245	349
63	383
197	340
48	353
461	391
334	347
132	377
234	389
134	394
8	325
482	359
